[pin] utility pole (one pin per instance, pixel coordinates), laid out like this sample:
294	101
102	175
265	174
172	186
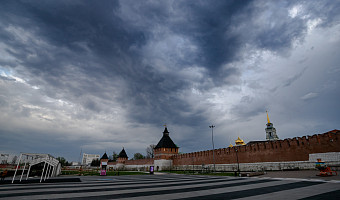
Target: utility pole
212	139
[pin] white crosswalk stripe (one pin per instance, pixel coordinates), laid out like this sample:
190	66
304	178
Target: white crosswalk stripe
173	187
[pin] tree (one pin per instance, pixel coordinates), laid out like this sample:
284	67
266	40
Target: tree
150	152
114	156
138	156
95	163
63	161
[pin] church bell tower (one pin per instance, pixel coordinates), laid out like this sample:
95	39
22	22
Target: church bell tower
270	131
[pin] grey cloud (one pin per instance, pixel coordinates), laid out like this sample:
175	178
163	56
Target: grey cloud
145	58
291	80
115	41
5	78
310	95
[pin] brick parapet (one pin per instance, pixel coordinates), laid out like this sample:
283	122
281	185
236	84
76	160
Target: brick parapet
146	161
287	150
291	149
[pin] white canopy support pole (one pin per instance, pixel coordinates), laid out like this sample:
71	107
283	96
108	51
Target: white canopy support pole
47	170
42	172
29	169
16	169
52	174
23	170
55	170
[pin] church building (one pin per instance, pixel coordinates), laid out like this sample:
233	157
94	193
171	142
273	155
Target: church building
270	131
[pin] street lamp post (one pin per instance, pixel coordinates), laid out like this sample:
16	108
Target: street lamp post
212	139
238	165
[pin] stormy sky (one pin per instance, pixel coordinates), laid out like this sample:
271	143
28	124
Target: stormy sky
98	76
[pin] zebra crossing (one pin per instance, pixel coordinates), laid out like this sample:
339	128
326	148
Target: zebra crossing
175	187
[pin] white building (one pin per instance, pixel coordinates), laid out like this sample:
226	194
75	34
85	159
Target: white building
87	158
4	158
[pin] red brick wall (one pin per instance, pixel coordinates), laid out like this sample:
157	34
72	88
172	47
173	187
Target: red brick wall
292	149
165	153
146	161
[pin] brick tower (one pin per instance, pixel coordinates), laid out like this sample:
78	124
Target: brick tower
164	151
122	157
270	131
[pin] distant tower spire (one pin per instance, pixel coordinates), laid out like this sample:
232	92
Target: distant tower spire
270	130
165	132
267	117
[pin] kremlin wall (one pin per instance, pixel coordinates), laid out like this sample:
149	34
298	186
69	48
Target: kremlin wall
292	153
295	149
272	154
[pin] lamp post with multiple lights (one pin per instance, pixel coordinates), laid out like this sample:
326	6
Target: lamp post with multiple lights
212	139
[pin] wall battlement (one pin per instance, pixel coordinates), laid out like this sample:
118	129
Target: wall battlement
291	149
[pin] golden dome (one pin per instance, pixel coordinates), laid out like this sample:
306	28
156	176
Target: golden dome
230	145
239	141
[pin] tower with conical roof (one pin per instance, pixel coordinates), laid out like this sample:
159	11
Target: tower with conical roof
103	164
270	131
122	156
164	150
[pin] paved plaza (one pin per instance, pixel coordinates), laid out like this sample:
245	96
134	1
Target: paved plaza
176	187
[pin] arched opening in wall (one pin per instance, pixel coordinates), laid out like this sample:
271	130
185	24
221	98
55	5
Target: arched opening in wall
157	168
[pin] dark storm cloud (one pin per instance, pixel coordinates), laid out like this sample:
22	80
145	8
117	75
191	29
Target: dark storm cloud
101	43
207	25
98	28
211	23
158	61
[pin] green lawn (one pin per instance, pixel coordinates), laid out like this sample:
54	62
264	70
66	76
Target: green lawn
122	173
96	173
199	173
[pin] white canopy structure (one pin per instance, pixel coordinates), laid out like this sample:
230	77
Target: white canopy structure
51	165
